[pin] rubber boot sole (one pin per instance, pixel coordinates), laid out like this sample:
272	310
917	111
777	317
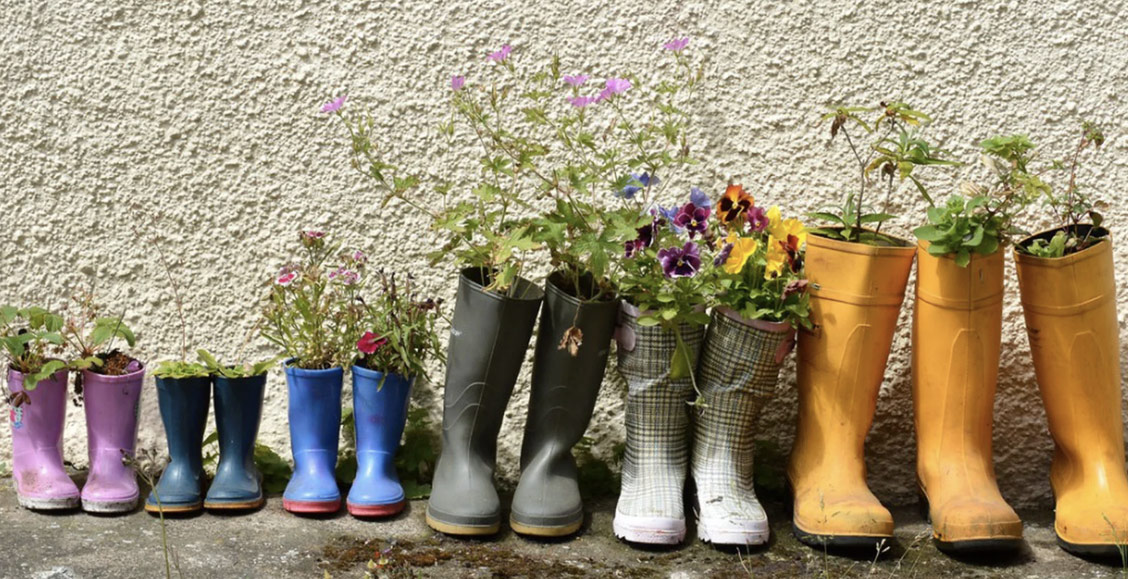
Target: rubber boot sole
36	504
109	507
234	505
311	507
155	509
966	546
467	530
1096	551
838	542
376	510
545	531
649	530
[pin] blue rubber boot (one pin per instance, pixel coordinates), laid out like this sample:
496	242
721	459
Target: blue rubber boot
315	432
184	406
238	410
380	411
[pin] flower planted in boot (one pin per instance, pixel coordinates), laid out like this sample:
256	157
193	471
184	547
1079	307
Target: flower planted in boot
37	444
184	403
238	410
315	430
112	404
380	412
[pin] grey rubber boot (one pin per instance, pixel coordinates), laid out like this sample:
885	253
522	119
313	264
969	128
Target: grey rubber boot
547	502
488	340
651	503
737	376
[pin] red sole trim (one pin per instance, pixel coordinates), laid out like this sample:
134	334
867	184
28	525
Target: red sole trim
376	510
314	507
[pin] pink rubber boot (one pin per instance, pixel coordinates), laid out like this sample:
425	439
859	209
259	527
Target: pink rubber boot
37	445
111	430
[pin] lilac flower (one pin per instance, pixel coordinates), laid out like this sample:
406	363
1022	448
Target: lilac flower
636	184
614	86
500	55
723	255
334	105
456	83
757	219
699	199
692	218
677	44
576	80
680	261
582	101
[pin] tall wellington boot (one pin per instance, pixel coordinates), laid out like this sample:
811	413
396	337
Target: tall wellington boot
856	293
1070	307
737	375
37	445
488	340
184	406
651	504
112	404
238	411
315	435
564	388
379	412
957	331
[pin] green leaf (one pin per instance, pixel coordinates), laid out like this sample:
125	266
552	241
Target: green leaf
928	233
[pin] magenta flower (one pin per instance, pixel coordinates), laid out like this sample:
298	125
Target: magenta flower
344	276
456	83
577	80
311	234
359	257
582	101
644	240
757	219
370	342
692	219
677	44
286	278
680	261
614	86
334	105
500	55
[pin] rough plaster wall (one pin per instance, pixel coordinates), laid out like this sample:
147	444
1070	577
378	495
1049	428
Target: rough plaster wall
205	116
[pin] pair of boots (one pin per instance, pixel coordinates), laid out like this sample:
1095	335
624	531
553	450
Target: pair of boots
184	406
489	337
111	404
380	403
737	375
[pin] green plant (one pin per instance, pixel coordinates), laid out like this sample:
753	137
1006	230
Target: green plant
144	462
395	330
981	219
894	152
245	370
1073	207
415	460
276	472
91	335
311	304
31	338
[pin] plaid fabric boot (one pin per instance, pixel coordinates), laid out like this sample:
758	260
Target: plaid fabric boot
650	508
737	376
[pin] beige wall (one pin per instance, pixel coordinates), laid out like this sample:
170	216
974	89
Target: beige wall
204	116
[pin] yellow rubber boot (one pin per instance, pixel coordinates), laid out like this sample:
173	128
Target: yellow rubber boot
1070	307
957	332
856	294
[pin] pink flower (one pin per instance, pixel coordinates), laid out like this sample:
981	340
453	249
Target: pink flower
313	234
370	342
358	256
576	80
677	44
582	101
344	276
456	83
614	86
286	278
334	105
500	55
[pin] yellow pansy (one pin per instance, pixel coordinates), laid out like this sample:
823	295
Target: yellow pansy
777	259
742	249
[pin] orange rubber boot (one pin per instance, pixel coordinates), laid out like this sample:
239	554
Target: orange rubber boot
957	332
1070	307
856	294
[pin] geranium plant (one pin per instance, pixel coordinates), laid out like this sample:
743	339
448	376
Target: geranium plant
895	149
32	341
311	302
395	329
1079	221
759	264
981	218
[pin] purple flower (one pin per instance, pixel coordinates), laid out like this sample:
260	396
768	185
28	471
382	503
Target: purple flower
576	80
456	83
723	255
500	55
358	256
582	101
636	184
680	261
757	219
692	218
614	86
699	199
645	239
334	105
344	276
677	44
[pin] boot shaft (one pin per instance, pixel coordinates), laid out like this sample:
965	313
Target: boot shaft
112	405
184	406
314	408
380	403
238	413
39	422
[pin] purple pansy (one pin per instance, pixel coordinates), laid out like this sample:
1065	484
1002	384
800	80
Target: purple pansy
677	44
699	198
457	82
757	218
644	240
637	183
723	255
576	80
500	55
582	101
614	86
334	105
680	261
692	219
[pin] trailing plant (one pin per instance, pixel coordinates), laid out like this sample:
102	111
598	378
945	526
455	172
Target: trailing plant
395	329
32	340
311	303
759	265
981	218
1079	221
894	149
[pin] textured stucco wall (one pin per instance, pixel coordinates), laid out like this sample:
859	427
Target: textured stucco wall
204	115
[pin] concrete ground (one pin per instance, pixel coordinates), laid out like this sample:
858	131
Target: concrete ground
273	543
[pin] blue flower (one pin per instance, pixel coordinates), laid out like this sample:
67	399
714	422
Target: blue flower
699	199
636	184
